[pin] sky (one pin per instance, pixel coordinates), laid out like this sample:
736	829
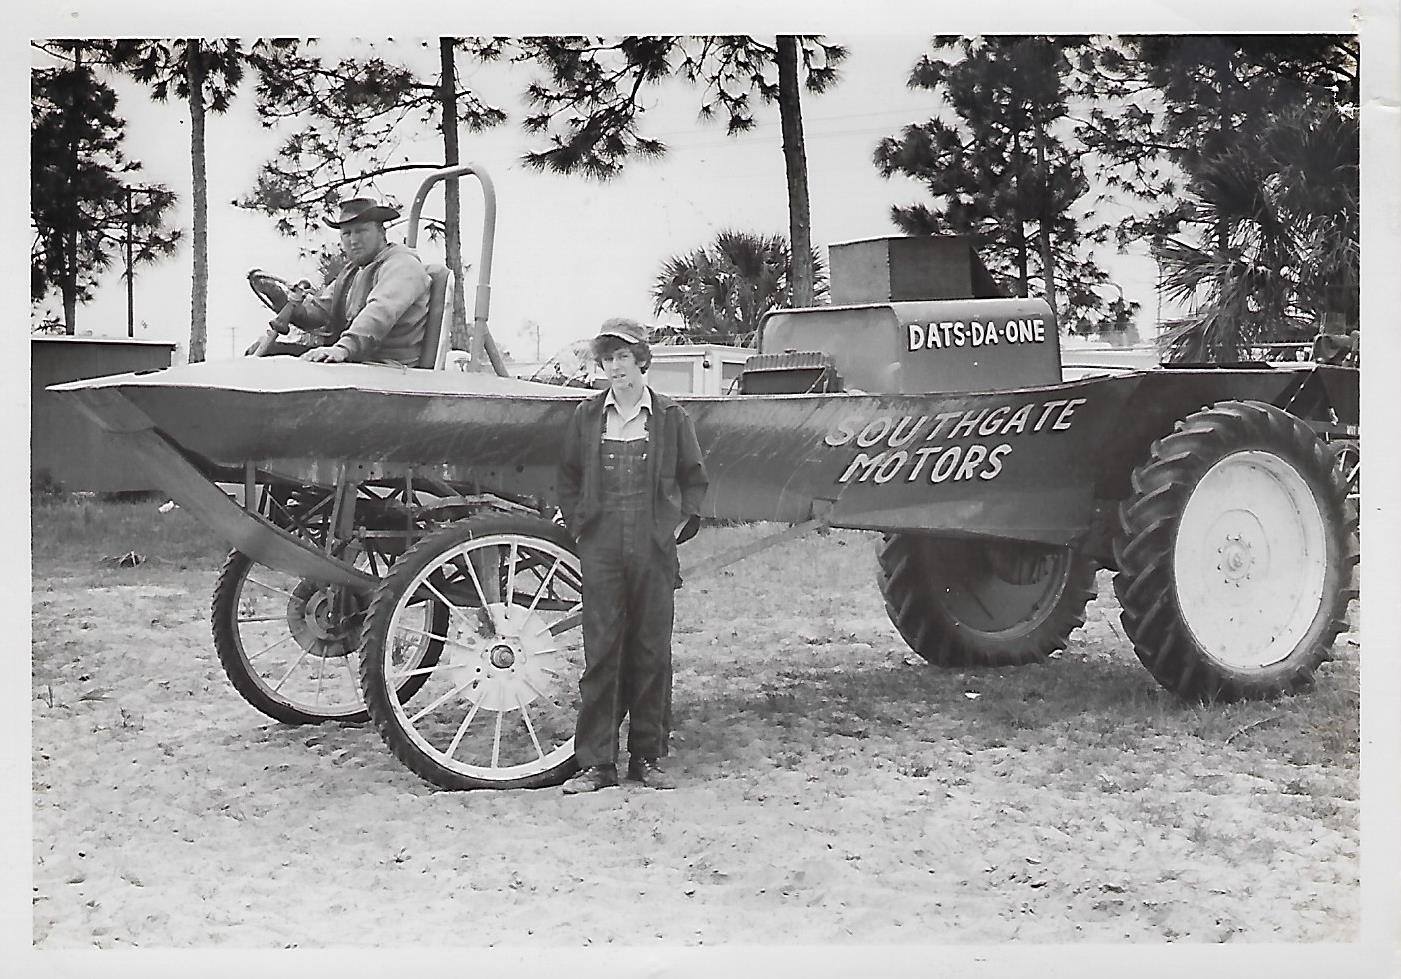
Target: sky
569	251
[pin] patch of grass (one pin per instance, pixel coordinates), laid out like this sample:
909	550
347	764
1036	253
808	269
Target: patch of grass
778	702
79	531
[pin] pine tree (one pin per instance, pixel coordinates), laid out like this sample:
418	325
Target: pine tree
82	208
1000	169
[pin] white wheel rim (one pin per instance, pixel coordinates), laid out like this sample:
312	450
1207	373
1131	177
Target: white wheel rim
501	701
1250	560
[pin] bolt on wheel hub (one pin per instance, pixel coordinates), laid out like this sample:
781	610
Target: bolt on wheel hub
1238	560
1242	551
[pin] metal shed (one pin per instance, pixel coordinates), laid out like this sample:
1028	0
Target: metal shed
65	447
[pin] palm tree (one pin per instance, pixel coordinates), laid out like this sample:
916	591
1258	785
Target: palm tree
1280	261
722	290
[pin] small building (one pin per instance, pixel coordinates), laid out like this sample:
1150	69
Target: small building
701	368
65	448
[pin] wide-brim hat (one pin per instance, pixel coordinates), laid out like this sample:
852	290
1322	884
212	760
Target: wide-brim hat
362	209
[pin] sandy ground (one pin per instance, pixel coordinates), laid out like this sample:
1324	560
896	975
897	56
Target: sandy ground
833	790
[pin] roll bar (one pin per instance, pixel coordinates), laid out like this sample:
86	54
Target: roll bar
483	298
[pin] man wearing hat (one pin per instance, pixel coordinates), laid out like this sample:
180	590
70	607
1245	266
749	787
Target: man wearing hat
377	308
630	478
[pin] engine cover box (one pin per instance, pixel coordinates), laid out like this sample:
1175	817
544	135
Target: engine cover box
907	269
920	347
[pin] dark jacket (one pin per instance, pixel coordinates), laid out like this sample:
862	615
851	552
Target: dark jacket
674	466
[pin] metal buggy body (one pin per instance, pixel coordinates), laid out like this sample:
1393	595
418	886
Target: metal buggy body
394	557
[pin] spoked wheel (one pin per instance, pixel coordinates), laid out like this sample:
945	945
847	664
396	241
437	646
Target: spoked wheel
498	707
983	603
1234	554
290	646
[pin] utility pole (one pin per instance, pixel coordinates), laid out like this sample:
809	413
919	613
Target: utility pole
130	276
130	304
532	329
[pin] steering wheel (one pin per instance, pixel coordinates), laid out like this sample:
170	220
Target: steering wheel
271	289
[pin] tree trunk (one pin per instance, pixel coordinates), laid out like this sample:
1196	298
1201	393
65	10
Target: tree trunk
460	339
199	286
1023	276
1225	345
790	113
68	283
1043	227
1048	267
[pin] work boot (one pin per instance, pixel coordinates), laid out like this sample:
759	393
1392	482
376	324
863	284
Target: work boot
592	779
649	772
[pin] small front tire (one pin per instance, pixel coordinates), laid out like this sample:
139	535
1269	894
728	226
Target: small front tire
497	710
290	646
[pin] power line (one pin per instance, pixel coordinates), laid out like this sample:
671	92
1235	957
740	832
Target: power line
773	133
765	139
807	120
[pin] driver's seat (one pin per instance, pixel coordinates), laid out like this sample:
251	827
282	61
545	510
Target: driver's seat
436	331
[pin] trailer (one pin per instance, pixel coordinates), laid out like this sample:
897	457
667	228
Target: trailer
396	556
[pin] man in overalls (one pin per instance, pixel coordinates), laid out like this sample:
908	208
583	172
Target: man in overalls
631	485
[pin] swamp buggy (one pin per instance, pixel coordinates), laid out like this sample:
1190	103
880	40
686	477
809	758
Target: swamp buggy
395	556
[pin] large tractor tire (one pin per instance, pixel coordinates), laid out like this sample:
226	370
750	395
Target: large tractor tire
964	603
497	709
1235	555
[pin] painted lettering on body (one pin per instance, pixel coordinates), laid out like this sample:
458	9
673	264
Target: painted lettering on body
950	334
948	446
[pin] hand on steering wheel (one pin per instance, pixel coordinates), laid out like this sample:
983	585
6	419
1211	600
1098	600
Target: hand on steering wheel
274	291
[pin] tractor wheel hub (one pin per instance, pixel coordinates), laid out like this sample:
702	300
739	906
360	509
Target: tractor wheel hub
502	656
